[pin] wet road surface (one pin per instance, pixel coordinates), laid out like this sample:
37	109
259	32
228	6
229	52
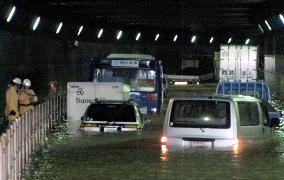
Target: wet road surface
73	154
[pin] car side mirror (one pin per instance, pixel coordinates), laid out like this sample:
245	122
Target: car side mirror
274	118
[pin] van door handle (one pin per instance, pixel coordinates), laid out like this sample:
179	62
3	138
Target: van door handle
263	130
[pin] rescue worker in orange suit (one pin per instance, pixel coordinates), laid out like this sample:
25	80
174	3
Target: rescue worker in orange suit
12	108
27	97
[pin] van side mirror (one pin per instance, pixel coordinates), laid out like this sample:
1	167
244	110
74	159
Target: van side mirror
274	118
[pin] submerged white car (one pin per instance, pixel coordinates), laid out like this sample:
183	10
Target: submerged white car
216	122
106	116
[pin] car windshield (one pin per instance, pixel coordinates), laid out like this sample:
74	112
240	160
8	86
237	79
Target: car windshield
138	79
200	113
111	113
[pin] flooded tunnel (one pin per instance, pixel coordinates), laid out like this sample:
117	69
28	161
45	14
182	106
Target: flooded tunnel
130	60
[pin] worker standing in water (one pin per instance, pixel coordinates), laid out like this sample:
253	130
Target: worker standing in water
12	108
27	97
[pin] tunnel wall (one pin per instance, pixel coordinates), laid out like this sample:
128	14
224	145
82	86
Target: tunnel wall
43	59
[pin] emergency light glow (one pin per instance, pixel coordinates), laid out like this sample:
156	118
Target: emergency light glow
11	14
138	36
211	40
193	39
36	23
230	39
100	33
59	27
268	26
282	18
157	37
247	41
80	30
259	26
119	35
175	38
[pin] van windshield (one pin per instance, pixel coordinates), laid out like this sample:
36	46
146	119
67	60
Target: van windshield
111	113
200	113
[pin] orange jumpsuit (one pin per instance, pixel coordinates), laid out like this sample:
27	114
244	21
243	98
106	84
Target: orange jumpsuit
27	98
11	109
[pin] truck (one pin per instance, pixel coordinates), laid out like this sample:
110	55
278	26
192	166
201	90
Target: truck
238	62
81	94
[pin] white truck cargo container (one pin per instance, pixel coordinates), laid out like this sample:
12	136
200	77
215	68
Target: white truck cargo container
238	62
81	94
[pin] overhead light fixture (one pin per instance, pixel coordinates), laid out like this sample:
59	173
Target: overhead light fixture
229	40
175	38
59	27
36	23
100	33
260	28
282	18
138	36
80	30
11	14
247	41
211	40
119	34
157	37
268	26
193	39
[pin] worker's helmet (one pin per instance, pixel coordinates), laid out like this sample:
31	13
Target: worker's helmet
17	81
27	82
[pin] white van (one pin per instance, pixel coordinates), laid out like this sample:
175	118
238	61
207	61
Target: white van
216	121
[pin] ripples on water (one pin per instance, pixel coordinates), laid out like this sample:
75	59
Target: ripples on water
73	154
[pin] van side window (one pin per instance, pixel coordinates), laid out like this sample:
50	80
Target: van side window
249	115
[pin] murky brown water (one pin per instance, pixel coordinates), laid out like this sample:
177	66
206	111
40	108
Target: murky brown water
73	154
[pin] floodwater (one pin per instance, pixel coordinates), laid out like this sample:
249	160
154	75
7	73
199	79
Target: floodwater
73	154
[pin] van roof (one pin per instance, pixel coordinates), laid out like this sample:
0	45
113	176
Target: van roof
131	56
218	97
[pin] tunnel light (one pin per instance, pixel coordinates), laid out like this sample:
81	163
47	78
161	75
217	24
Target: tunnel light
119	34
157	37
80	30
59	27
282	18
229	40
247	41
138	36
260	28
11	14
193	39
211	40
36	23
100	33
175	38
268	26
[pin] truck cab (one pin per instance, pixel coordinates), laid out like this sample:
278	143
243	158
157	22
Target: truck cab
219	121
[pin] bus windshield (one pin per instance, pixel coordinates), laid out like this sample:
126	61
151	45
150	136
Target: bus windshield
138	79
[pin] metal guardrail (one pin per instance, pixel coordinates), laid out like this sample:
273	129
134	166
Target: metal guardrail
25	135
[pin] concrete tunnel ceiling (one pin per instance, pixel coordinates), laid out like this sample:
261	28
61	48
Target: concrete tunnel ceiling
223	18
